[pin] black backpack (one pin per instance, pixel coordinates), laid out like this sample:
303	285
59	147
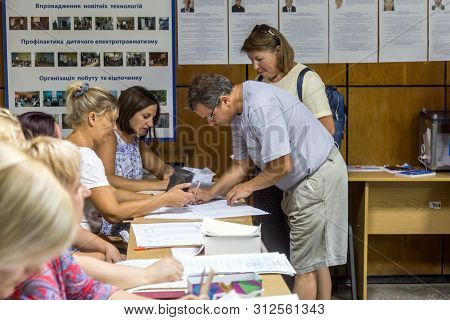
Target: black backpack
337	106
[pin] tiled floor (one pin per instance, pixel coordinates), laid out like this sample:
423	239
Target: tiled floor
436	291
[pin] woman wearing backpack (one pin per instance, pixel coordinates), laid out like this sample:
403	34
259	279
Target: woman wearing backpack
273	59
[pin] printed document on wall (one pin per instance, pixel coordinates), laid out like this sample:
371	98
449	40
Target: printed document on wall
244	15
305	25
202	32
439	30
353	31
109	44
403	31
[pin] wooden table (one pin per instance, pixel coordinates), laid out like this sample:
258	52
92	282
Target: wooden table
273	284
382	203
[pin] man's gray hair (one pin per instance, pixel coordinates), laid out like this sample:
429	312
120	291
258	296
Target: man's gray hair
206	89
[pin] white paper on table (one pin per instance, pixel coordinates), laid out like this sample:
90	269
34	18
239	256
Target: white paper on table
242	23
353	31
403	32
186	252
439	26
202	34
213	227
306	30
213	209
272	262
168	234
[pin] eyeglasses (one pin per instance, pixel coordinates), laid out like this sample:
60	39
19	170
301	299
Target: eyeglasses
210	118
264	28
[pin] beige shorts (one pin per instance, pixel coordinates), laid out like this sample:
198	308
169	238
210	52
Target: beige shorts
317	210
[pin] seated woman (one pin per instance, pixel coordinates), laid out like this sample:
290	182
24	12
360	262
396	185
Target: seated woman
36	124
63	159
29	211
124	154
11	131
92	115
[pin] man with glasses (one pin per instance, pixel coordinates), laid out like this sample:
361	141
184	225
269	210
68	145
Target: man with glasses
275	131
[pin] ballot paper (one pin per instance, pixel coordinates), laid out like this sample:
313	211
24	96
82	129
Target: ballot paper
262	263
213	209
204	176
217	228
168	234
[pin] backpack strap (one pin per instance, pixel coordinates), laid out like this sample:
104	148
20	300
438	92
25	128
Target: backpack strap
300	82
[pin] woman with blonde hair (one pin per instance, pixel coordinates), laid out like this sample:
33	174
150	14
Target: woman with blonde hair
86	242
33	228
62	157
92	114
10	127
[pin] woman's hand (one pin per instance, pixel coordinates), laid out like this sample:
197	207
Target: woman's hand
111	253
164	270
160	185
176	197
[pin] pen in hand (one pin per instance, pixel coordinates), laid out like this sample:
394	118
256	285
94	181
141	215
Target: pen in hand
204	289
195	193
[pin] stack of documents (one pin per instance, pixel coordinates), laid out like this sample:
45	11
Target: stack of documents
272	262
227	238
165	290
168	234
213	209
217	228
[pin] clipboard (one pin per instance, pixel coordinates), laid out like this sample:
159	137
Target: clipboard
180	176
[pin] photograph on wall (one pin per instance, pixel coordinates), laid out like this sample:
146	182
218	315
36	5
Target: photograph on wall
47	47
243	17
403	29
202	32
353	31
297	20
438	27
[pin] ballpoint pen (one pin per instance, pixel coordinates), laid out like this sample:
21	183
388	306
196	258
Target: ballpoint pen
204	289
195	193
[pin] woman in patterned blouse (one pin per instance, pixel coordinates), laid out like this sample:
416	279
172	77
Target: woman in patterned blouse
126	154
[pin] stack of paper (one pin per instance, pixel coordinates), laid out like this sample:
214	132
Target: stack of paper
364	168
213	209
230	238
165	290
217	228
272	262
168	234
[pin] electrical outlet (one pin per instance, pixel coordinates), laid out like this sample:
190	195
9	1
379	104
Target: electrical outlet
434	204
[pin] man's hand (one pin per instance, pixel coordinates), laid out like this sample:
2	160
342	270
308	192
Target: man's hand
239	191
202	195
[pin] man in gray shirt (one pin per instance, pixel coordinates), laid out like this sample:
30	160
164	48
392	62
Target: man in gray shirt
275	131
